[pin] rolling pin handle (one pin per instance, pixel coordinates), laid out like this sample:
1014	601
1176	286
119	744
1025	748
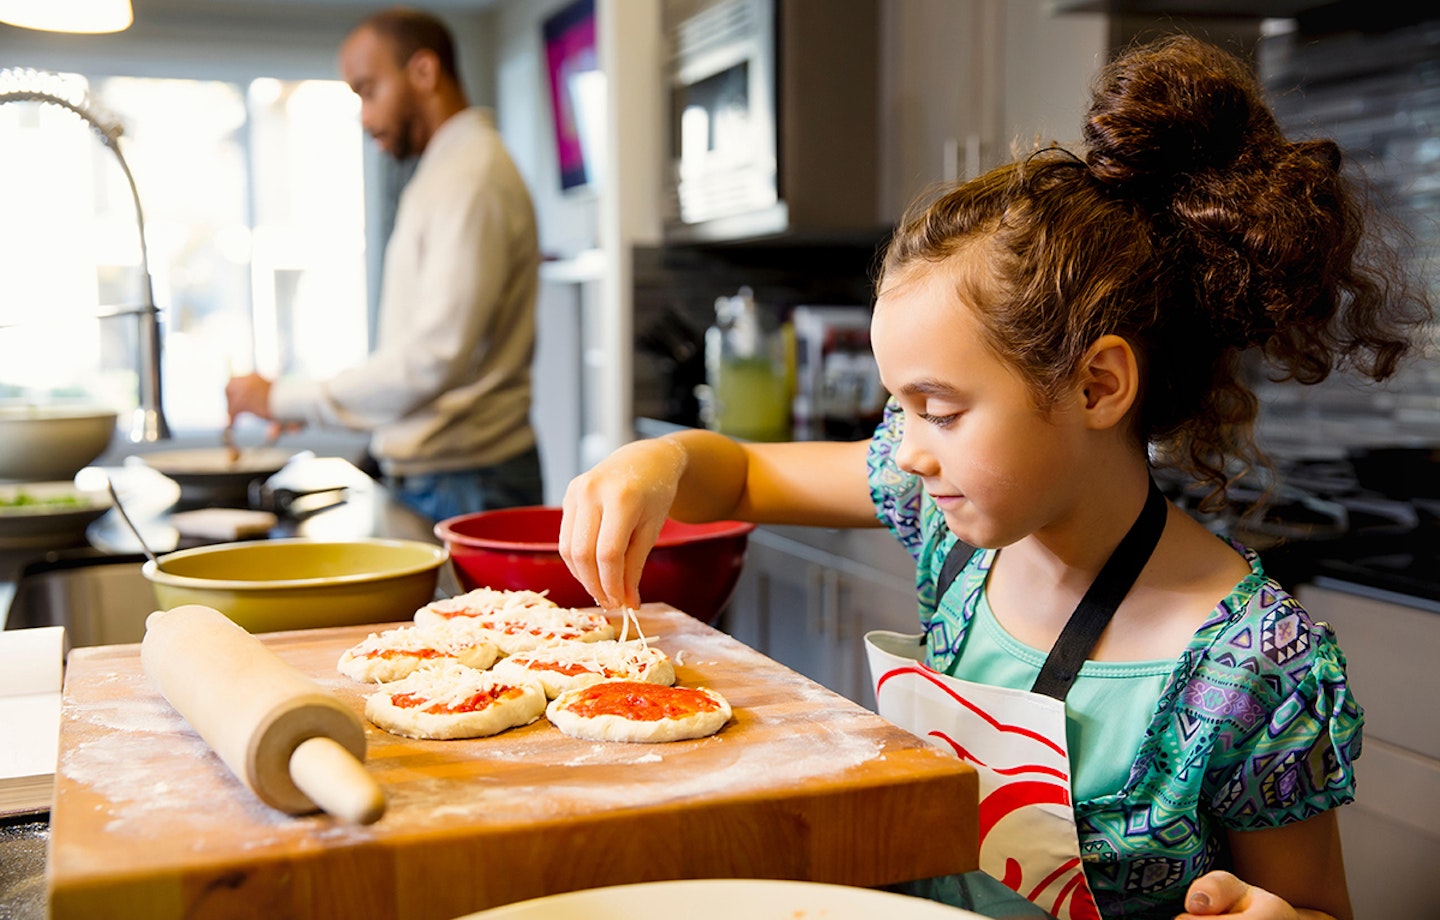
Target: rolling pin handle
336	781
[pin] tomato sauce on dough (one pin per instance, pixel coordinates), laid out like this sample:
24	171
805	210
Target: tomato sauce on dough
472	703
641	702
389	653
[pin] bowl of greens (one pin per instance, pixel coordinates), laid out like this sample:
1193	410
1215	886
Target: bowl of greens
47	514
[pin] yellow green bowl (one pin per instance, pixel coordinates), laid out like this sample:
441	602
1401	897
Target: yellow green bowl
272	585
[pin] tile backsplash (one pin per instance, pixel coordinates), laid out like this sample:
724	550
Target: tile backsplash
1378	96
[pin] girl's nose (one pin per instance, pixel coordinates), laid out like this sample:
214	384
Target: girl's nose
911	456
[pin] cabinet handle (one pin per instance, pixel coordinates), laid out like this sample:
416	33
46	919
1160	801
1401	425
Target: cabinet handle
830	604
762	613
815	601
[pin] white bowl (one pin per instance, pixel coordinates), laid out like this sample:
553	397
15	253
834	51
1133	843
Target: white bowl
724	899
51	443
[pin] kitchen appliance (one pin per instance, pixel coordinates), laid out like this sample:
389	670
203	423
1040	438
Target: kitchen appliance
773	118
838	394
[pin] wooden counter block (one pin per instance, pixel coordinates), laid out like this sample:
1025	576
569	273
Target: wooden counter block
801	784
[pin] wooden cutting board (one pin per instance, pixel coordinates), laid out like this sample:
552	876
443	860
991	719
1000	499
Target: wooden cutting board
801	784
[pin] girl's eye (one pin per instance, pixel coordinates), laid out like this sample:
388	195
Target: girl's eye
939	421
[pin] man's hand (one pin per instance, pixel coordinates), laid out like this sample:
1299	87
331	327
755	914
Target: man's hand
249	393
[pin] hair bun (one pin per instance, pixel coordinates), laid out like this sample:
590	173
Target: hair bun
1170	110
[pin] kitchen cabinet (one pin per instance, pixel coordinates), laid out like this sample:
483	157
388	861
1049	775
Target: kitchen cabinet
966	84
807	596
1391	832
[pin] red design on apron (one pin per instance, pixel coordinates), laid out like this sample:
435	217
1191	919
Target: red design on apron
1015	739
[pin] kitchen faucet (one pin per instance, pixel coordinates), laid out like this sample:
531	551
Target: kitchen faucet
149	422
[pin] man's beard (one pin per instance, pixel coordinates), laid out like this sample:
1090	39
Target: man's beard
403	146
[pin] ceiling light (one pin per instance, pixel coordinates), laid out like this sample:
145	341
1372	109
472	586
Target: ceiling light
68	15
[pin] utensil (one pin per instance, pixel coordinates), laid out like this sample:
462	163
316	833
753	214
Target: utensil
51	442
49	515
721	899
120	507
271	585
297	747
227	440
210	476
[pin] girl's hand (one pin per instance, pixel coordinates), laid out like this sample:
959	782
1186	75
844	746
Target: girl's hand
612	517
1220	894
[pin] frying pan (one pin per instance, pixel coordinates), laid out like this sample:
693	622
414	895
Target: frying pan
218	476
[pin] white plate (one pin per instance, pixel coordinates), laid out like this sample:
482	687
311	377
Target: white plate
726	899
59	515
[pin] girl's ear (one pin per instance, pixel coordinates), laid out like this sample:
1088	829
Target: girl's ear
1109	382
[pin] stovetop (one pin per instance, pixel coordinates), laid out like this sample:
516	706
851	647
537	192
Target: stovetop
1371	518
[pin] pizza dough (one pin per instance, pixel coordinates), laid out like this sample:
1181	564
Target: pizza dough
618	710
571	665
535	627
477	603
397	653
453	701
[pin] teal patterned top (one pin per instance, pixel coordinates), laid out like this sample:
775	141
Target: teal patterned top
1255	728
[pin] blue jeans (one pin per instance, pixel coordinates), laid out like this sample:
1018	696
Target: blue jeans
507	484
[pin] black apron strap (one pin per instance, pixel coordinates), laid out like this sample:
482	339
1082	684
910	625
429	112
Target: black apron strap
955	560
1090	618
1099	604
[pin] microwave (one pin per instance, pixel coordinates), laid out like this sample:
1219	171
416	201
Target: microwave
772	119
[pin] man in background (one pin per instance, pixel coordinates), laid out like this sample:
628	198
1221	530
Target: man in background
446	394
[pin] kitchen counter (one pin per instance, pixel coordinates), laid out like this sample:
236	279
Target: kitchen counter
368	511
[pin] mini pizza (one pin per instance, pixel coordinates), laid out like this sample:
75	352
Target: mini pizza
478	603
571	665
453	701
620	710
536	627
396	653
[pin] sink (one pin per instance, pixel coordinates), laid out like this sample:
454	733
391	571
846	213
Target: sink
100	600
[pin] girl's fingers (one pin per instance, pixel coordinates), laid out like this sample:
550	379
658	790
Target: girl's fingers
1215	894
618	531
641	543
578	533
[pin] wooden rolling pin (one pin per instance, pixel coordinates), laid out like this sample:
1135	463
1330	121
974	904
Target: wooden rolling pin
297	747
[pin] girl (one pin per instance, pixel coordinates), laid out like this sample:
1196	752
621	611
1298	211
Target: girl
1045	331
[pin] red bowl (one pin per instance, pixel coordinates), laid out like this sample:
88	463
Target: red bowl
693	567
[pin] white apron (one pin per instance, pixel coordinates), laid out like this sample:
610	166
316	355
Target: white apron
1015	739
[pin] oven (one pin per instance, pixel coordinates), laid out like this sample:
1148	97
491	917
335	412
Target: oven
722	109
772	119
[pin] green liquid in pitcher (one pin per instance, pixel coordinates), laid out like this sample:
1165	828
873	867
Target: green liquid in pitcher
752	400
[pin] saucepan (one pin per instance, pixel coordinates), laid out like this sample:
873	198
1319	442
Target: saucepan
218	476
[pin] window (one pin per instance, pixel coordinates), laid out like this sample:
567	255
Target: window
253	197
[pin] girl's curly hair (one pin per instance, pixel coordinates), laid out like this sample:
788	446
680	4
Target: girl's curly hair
1194	229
